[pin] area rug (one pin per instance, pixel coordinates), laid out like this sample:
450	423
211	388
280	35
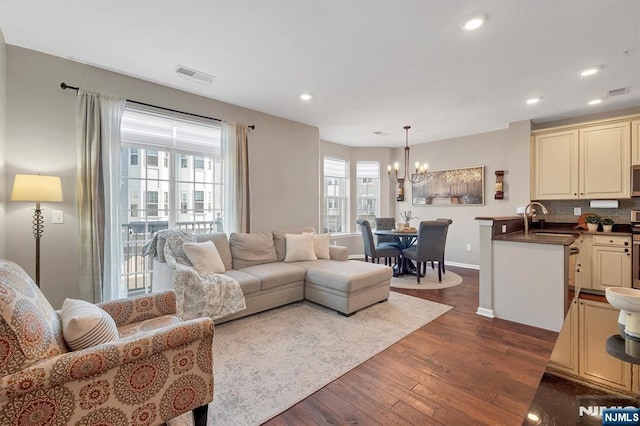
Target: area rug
428	282
266	363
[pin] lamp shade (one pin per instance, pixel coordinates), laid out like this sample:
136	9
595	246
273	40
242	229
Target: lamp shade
36	188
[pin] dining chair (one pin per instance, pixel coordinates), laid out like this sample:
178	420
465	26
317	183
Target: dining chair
386	223
429	246
441	264
376	252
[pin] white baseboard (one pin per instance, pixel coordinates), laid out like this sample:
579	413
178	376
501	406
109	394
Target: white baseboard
486	312
446	263
463	265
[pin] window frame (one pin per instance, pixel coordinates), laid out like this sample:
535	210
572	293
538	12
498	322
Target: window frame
335	195
156	180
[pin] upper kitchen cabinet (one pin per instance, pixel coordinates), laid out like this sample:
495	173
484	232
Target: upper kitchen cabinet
555	168
605	160
635	142
590	161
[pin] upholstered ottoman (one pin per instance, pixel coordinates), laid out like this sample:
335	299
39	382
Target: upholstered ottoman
347	286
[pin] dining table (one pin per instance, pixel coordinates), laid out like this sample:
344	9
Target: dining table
404	239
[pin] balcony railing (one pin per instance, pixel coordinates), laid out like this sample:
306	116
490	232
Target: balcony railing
137	268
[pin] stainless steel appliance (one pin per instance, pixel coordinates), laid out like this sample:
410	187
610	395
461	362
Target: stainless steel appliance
635	231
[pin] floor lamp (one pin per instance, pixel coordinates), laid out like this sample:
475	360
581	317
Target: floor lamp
37	188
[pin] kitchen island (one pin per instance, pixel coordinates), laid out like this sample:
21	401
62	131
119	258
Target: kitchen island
524	276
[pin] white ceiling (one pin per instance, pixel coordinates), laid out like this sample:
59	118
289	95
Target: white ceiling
372	65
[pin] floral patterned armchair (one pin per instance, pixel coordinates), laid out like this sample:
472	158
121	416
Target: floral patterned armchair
158	368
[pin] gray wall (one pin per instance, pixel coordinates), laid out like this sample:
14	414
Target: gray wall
284	157
3	126
507	150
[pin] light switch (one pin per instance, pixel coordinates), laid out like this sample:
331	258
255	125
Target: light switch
57	216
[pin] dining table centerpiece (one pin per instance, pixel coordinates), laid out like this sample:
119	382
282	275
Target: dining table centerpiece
407	216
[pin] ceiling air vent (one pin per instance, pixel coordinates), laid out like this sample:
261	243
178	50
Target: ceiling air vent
616	92
193	75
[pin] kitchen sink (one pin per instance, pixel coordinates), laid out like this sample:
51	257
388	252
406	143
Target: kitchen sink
554	234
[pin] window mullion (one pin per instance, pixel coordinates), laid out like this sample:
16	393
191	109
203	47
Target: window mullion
173	195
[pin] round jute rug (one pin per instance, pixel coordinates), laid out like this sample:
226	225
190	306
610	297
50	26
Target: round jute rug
428	282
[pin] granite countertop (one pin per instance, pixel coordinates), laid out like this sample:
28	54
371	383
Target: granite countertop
557	233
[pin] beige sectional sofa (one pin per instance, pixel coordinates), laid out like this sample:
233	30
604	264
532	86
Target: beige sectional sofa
257	262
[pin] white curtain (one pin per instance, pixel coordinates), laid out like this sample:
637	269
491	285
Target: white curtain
235	146
98	189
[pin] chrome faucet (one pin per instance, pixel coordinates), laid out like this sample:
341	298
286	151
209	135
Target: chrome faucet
524	215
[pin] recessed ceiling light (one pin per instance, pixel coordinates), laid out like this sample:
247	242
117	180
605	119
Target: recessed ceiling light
306	96
589	71
473	23
595	101
532	101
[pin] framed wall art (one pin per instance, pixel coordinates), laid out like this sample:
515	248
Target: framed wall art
455	187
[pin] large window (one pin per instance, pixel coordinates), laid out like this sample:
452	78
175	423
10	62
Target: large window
183	195
336	195
368	189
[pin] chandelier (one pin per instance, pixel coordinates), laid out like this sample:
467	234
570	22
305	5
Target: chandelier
417	176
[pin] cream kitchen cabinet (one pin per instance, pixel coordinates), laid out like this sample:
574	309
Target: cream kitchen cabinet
564	357
635	142
598	321
605	161
611	261
583	161
582	276
555	169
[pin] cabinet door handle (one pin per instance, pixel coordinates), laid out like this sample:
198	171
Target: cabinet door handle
626	250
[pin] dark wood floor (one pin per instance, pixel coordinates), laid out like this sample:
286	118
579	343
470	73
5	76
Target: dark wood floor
459	369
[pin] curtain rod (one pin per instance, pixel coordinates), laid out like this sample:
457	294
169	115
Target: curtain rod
65	86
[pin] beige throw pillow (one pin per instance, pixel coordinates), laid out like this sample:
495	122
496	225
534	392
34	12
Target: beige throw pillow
321	245
300	247
252	249
85	325
204	257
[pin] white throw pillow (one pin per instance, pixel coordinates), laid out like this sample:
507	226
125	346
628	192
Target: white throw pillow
85	325
321	245
204	257
300	247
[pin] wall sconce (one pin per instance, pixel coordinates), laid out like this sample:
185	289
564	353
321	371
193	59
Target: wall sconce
499	185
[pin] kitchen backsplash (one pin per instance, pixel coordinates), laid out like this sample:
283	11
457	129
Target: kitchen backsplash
562	210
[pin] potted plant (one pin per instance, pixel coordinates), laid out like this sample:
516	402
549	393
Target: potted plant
607	225
407	216
592	222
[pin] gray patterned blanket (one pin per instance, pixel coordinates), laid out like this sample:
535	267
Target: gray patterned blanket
209	295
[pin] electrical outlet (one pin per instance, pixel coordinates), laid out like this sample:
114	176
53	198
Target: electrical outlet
468	247
504	228
57	216
577	211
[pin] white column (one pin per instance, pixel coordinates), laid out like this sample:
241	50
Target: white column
486	303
